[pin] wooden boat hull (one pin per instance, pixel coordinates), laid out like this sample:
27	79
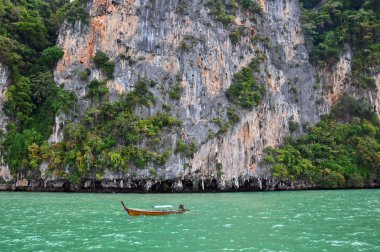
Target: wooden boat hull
137	212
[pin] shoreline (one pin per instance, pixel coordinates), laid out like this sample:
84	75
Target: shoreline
4	187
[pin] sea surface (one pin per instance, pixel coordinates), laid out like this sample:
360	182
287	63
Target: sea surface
347	220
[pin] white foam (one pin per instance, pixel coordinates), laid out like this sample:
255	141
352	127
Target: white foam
298	215
359	244
278	226
338	243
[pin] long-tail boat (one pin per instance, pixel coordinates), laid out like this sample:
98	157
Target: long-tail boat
135	212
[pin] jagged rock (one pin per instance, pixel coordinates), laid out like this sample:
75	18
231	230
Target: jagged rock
177	185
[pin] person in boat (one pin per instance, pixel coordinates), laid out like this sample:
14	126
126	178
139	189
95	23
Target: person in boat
181	207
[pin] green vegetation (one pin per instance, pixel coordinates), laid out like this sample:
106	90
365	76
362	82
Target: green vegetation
342	150
224	126
233	115
141	94
225	10
222	11
251	6
103	62
76	11
189	42
28	32
235	36
97	89
293	126
187	149
175	93
336	23
51	55
181	8
83	75
244	91
109	137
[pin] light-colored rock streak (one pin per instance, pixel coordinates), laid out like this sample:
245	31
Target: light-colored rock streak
4	82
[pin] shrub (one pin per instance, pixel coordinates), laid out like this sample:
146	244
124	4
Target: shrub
102	62
97	89
175	93
187	149
244	90
332	180
235	36
51	55
365	82
250	5
83	75
293	126
355	181
232	115
141	94
219	10
75	10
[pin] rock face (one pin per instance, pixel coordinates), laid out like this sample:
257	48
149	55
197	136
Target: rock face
4	82
179	41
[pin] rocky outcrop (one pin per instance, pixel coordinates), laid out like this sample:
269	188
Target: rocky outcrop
4	82
180	42
195	50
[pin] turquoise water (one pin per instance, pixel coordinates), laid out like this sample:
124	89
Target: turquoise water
269	221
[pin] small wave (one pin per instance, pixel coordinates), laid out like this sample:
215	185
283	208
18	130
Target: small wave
95	247
359	244
54	244
250	249
298	215
33	238
108	235
120	236
338	243
227	225
356	233
278	226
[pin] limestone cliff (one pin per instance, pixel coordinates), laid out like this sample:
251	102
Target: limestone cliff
174	41
4	82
